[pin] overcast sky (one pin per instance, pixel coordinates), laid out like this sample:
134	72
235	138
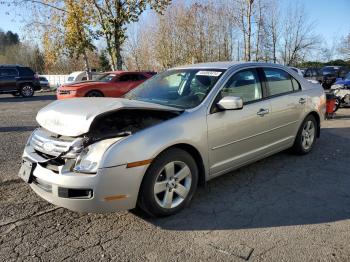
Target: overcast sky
331	18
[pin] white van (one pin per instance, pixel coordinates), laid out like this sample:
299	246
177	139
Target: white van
79	76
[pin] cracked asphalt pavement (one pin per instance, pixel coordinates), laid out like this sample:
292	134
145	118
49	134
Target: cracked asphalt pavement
283	208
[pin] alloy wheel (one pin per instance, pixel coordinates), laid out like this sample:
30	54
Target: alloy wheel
27	91
173	184
308	135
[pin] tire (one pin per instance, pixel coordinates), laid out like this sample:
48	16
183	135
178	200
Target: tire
306	136
176	188
94	93
27	90
337	104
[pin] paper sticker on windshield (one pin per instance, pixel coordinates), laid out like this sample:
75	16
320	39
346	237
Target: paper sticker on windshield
208	73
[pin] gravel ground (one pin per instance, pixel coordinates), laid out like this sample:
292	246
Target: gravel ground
283	208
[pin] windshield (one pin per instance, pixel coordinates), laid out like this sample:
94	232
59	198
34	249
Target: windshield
106	78
182	88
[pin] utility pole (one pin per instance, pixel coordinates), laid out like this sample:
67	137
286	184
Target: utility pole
238	59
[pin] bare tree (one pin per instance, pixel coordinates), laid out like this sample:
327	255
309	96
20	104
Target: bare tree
244	21
344	47
271	31
298	37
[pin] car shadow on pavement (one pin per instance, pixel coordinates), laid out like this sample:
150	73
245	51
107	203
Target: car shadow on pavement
28	99
281	190
342	117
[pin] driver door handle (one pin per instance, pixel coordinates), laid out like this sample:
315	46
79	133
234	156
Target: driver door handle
302	100
263	111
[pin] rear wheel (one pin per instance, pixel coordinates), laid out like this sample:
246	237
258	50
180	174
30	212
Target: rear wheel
94	93
306	136
169	183
27	90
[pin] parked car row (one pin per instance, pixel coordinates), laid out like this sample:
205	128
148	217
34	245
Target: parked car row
22	81
111	84
327	75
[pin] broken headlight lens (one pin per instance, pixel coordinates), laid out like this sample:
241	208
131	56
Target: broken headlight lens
89	159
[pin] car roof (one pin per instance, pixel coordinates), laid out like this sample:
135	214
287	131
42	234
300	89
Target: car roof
226	65
125	72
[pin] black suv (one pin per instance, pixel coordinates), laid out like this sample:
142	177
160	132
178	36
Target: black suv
18	80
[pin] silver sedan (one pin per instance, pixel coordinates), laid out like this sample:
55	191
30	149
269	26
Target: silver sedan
181	128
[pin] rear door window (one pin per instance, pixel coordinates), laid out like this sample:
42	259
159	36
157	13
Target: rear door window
25	71
141	77
130	77
8	72
278	81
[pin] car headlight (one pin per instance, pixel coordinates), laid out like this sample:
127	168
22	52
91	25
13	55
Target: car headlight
89	159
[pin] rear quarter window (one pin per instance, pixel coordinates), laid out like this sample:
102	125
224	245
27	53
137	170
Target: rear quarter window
25	71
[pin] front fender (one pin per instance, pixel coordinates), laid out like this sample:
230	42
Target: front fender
188	128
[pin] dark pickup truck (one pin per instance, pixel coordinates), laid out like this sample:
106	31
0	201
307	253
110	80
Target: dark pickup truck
18	80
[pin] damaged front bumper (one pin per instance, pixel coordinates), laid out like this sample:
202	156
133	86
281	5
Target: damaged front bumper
110	189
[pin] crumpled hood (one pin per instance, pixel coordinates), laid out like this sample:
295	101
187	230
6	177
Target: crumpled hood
73	117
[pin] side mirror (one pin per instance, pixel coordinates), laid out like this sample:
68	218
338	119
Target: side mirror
230	103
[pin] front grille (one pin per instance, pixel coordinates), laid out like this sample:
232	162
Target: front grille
45	143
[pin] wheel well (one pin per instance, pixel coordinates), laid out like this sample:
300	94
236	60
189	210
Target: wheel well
318	120
197	157
26	83
94	90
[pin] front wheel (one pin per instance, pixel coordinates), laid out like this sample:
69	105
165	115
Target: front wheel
169	183
27	90
306	136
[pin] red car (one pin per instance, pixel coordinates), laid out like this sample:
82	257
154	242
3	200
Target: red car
112	84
